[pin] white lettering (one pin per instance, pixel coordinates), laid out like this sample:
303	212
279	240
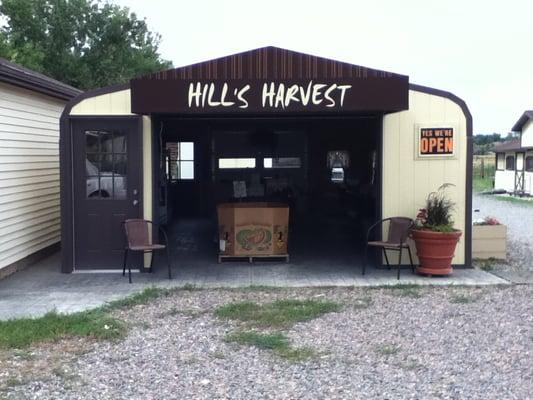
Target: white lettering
280	95
317	93
195	93
343	89
210	101
305	95
223	97
274	95
291	95
204	97
328	97
240	96
268	92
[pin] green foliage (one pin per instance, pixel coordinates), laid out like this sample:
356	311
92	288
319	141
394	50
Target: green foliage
277	342
439	210
517	200
85	43
388	349
281	313
462	299
97	323
483	178
18	333
143	297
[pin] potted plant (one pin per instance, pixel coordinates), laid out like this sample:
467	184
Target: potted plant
434	234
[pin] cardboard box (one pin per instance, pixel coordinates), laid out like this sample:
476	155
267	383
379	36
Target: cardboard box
253	229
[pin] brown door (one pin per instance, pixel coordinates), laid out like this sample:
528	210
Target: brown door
107	188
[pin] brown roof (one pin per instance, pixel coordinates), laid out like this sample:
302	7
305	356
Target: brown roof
17	75
526	116
510	145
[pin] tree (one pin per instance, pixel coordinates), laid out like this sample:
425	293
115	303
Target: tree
85	43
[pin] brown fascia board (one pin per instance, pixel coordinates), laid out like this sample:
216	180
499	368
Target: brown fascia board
17	75
526	116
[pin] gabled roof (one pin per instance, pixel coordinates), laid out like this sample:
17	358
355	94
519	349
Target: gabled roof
269	63
18	75
526	116
372	90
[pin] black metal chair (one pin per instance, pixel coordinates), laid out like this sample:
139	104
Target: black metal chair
399	228
139	240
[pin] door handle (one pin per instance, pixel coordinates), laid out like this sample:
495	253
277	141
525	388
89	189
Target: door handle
135	202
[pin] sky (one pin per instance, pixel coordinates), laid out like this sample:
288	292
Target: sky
479	50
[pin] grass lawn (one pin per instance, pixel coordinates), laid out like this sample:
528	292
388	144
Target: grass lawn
485	182
278	314
281	313
96	323
516	200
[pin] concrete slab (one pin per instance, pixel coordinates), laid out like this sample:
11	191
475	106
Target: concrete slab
518	277
42	288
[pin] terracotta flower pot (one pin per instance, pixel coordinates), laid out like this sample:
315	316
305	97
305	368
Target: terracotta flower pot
435	251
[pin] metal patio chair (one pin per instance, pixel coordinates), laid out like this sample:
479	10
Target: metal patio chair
139	240
399	228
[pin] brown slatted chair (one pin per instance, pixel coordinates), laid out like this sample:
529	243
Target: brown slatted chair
139	240
399	228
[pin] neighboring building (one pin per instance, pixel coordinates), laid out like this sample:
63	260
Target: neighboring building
30	107
342	144
514	159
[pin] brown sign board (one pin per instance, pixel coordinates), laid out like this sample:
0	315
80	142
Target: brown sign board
436	141
269	80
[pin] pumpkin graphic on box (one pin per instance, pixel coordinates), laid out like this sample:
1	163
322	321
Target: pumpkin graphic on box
254	238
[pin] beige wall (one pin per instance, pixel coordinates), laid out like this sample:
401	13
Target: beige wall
407	180
29	172
115	103
119	103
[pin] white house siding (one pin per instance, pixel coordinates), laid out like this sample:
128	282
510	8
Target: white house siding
527	134
29	172
504	180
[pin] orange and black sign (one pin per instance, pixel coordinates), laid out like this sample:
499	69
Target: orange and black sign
436	141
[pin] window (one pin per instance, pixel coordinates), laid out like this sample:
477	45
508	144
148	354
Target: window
106	164
180	160
509	163
236	163
529	163
282	162
500	161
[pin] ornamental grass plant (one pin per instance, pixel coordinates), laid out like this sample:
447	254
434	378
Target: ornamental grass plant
437	214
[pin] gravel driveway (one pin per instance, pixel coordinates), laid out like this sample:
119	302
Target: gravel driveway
519	221
427	343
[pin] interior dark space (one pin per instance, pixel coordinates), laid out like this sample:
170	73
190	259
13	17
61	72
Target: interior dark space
325	169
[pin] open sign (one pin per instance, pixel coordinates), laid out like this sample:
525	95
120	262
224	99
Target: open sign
436	141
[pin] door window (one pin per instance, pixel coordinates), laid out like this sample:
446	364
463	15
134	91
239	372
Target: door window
106	164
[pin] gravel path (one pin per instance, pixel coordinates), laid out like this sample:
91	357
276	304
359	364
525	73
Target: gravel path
519	221
429	343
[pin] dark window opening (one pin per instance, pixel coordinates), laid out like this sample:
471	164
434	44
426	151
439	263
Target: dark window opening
529	164
509	163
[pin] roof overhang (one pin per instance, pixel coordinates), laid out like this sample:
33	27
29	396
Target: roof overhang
17	75
526	116
269	80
